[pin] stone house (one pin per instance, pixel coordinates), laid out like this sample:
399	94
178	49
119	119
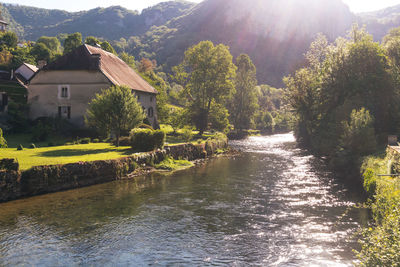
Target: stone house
66	86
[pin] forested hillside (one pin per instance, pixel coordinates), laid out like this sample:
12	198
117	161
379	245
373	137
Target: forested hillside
274	33
110	23
380	22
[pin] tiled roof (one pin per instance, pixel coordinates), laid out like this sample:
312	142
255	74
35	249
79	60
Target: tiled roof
88	57
118	72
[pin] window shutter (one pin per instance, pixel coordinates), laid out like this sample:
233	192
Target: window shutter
69	112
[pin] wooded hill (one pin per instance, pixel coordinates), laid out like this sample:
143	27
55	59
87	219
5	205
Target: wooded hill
275	33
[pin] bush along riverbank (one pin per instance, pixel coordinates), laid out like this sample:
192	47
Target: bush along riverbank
15	183
381	240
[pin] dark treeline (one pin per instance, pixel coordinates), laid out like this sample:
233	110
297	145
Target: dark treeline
346	99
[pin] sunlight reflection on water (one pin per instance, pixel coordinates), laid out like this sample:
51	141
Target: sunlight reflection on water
273	205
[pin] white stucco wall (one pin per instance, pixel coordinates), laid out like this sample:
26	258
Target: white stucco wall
44	95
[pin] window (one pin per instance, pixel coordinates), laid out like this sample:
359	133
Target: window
63	92
150	112
64	112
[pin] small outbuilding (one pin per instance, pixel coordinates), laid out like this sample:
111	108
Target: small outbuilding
65	87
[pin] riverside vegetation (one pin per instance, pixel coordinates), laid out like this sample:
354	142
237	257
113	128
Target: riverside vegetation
346	104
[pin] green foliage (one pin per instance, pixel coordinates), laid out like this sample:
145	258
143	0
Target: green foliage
52	43
107	47
41	52
219	118
20	147
359	134
244	102
348	75
171	164
207	74
32	146
369	179
265	122
116	110
72	42
147	140
187	134
41	131
85	140
3	142
9	39
380	243
91	40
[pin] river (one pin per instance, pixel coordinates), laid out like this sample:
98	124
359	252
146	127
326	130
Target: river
272	205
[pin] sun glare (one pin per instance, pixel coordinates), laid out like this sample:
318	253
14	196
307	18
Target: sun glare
369	5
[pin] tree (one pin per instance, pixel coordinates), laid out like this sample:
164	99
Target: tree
52	43
128	59
41	52
146	65
9	39
115	110
207	74
3	142
91	40
73	41
107	47
244	102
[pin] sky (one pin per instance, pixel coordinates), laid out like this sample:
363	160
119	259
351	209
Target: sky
78	5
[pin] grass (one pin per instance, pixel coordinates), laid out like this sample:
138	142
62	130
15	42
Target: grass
28	158
26	140
172	165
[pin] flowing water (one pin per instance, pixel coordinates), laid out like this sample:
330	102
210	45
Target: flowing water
272	205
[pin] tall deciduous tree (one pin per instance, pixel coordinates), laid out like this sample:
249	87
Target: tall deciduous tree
244	102
51	43
115	110
207	73
73	41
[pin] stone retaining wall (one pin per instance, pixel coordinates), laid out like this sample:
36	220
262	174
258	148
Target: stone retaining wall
46	179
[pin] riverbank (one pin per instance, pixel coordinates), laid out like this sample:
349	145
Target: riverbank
16	183
381	241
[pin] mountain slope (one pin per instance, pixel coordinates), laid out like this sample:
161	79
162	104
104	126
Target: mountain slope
110	23
379	22
275	33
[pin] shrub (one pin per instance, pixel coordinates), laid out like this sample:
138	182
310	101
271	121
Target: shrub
84	140
145	126
32	146
41	131
96	140
50	144
20	147
123	141
187	134
146	139
3	142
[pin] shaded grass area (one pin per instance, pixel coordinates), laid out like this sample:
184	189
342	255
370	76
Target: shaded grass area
26	140
28	158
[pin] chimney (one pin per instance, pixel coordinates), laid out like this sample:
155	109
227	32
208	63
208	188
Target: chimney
41	64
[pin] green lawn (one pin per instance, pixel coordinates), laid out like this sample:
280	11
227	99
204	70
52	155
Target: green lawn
26	140
64	154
